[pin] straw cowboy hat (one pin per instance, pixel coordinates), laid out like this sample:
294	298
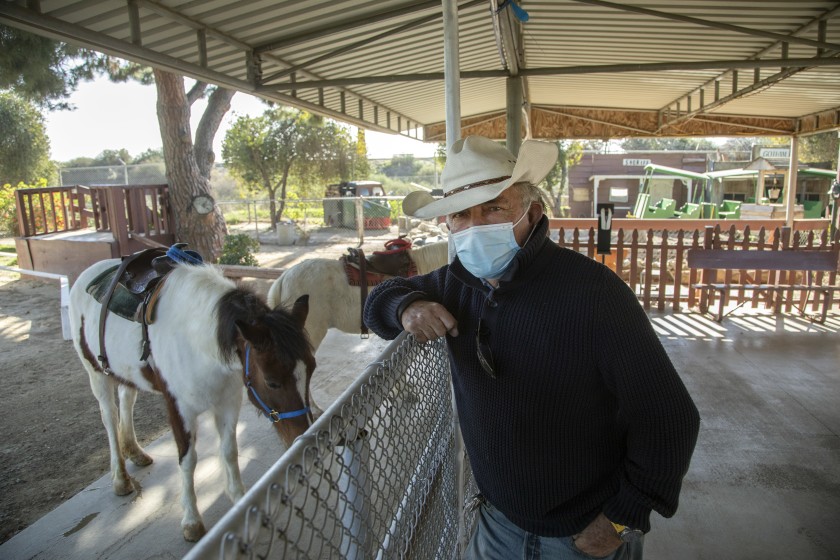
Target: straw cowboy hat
479	169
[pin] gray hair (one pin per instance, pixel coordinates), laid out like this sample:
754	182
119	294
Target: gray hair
529	194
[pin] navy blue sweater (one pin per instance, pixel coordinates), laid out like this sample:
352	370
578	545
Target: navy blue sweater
587	413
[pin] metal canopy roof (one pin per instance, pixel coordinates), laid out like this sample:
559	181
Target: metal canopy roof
589	68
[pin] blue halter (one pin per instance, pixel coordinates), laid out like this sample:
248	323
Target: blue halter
272	414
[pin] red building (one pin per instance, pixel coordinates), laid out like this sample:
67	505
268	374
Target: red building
615	178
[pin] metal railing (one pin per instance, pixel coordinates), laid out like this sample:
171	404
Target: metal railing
380	475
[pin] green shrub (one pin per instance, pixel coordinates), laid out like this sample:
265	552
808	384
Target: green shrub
8	212
238	249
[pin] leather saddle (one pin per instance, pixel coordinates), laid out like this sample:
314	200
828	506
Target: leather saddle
131	289
366	271
393	261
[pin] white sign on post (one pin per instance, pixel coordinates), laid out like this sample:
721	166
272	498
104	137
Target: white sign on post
635	162
775	153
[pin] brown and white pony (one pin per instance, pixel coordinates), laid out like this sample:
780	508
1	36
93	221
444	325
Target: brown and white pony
208	337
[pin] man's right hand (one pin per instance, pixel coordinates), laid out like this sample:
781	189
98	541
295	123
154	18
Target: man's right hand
428	320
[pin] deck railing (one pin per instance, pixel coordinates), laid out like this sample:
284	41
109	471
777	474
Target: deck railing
650	255
131	210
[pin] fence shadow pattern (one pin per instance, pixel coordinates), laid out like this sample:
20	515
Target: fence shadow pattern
377	476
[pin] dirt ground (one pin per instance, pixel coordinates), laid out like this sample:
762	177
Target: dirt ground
53	443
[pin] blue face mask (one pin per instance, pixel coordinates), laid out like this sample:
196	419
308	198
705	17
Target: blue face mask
487	251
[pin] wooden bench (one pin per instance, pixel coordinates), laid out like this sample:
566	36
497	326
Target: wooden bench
809	263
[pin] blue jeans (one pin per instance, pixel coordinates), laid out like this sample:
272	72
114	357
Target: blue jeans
496	538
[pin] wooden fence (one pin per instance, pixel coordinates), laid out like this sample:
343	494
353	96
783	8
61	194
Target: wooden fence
650	255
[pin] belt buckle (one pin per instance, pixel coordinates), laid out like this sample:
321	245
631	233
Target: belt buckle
474	502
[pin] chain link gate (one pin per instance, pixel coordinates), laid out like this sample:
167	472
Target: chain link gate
381	474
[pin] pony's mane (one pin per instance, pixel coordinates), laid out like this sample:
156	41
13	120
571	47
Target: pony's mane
240	304
288	337
430	257
236	305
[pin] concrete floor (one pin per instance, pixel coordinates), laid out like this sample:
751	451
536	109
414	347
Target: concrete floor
764	481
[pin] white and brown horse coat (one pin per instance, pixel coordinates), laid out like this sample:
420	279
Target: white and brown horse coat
201	327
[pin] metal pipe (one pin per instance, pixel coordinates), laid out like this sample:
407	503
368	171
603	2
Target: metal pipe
790	188
451	71
514	113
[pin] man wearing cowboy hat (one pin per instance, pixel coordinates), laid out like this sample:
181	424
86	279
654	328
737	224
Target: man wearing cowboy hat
575	421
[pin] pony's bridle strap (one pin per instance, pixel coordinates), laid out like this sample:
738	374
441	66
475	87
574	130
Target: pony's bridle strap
272	414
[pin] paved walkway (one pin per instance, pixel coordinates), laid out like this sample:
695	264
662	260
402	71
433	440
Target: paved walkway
764	481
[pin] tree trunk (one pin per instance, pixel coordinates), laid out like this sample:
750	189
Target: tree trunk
564	181
206	233
217	106
283	192
272	209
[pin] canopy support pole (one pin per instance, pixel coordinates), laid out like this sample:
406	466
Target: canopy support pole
452	72
790	188
514	113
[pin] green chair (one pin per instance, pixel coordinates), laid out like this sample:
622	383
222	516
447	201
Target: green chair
689	211
812	208
730	210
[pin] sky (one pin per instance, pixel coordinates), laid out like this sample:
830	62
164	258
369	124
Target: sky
112	116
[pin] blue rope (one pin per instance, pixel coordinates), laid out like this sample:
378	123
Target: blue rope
272	414
518	12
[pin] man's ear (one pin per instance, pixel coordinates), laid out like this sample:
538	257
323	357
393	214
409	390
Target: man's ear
535	212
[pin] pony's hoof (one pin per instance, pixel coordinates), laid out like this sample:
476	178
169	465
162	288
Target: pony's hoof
194	531
123	487
141	459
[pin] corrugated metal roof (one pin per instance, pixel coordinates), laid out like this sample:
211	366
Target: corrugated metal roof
586	64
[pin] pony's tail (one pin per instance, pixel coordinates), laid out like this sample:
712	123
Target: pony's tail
275	293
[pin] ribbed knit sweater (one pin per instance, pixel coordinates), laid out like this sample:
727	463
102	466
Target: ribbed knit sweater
587	413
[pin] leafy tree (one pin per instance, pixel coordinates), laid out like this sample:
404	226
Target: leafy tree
42	70
361	165
401	165
105	158
285	145
114	157
557	180
740	144
82	161
48	71
24	146
8	213
819	148
150	156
